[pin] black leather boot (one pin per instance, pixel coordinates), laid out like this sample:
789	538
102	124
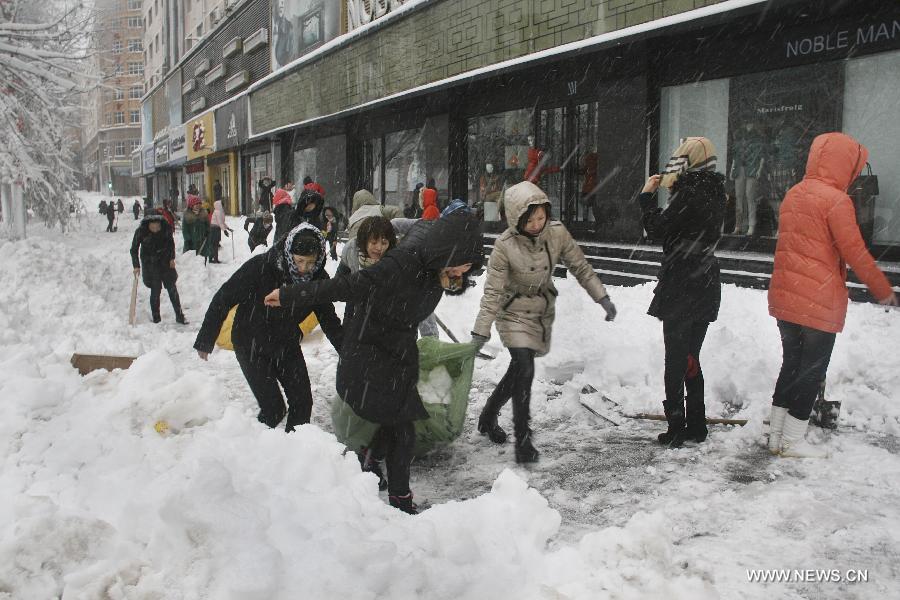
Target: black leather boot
695	420
675	435
525	450
487	422
404	503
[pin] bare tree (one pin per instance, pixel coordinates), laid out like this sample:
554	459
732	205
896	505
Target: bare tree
44	47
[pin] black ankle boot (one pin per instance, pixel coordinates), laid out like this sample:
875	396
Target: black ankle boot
156	318
487	425
179	318
525	450
370	464
404	503
675	435
695	421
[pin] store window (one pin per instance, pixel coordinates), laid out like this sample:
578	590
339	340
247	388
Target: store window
693	110
414	156
870	115
326	163
762	126
257	166
498	153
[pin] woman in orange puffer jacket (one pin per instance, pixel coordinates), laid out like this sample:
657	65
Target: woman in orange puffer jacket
818	238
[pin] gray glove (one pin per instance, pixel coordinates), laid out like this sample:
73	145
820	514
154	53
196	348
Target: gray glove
609	307
479	341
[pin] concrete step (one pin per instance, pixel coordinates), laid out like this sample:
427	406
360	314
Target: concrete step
627	265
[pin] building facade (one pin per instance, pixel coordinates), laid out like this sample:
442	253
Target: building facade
112	114
182	148
469	93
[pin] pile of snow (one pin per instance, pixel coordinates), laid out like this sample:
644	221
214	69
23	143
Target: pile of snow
95	502
435	387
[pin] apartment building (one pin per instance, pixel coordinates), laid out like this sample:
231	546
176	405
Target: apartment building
112	113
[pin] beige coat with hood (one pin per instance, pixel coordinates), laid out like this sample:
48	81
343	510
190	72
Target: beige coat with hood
519	295
365	206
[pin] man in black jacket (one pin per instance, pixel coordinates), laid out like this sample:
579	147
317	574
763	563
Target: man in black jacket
267	340
154	244
379	366
110	216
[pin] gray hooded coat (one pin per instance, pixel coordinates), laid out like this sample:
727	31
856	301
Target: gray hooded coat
519	295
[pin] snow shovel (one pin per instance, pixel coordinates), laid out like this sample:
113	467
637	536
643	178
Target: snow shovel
455	340
132	308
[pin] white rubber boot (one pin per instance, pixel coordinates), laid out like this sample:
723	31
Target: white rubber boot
793	441
776	425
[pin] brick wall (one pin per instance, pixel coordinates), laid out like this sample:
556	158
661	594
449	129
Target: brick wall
440	40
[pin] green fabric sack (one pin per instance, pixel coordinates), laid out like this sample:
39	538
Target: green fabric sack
445	421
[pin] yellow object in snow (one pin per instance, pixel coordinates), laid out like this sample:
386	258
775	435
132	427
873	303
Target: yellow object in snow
224	339
161	427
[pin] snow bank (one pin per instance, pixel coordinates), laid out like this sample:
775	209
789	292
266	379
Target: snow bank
96	503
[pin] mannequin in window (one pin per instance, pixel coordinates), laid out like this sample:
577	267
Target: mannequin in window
490	184
490	190
746	169
783	173
590	198
537	161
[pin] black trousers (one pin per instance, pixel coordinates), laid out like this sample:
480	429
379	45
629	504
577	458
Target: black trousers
806	353
516	384
396	443
156	285
215	236
263	374
683	341
109	226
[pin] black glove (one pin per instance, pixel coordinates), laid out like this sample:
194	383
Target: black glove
609	307
479	341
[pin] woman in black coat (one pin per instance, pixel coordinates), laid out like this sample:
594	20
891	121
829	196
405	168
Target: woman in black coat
153	256
379	366
688	294
267	340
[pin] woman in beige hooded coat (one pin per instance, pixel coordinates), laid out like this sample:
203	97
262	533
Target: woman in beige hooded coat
520	298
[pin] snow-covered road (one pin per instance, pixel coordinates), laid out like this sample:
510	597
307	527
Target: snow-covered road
94	503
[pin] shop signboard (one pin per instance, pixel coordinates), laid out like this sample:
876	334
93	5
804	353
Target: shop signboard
149	159
136	164
200	136
231	124
299	26
177	146
162	151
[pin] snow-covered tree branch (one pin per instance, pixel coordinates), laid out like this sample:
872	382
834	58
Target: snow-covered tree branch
44	48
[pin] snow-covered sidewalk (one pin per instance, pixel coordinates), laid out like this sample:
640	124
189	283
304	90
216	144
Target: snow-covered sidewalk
95	503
